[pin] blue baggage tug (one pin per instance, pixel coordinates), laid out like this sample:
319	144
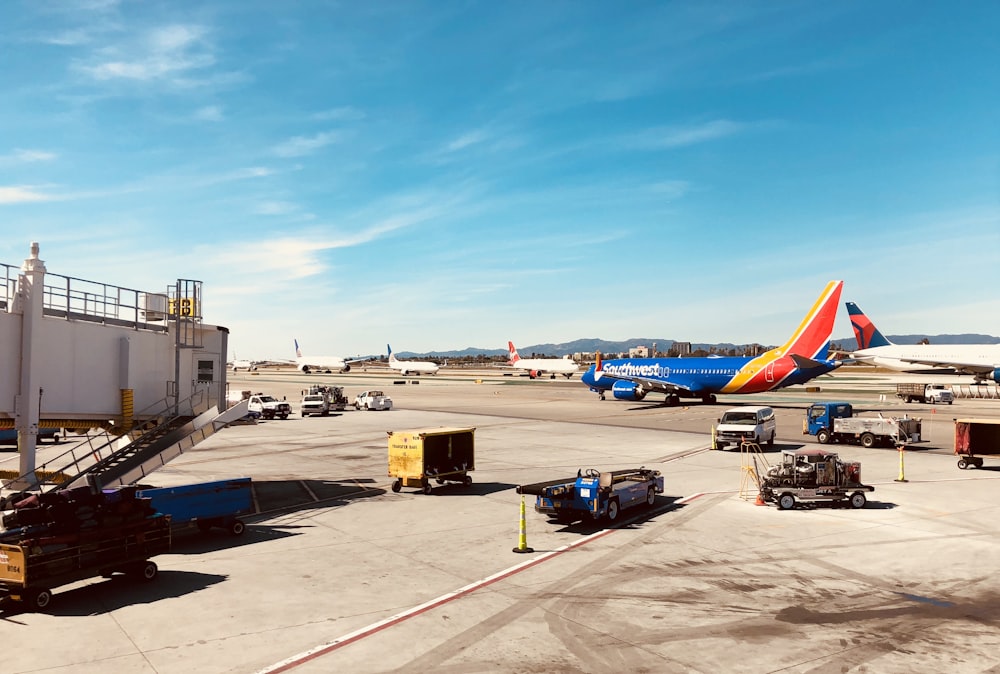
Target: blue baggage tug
206	504
595	494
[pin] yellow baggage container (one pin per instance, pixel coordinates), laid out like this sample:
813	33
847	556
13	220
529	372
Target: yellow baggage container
440	454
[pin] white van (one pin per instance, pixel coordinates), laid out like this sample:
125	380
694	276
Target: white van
752	423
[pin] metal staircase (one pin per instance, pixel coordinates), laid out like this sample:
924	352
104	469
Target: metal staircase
171	436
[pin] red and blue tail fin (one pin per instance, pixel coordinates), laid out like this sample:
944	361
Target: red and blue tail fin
812	338
864	330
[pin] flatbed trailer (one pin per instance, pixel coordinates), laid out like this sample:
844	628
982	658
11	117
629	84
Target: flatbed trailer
976	437
205	504
31	569
595	494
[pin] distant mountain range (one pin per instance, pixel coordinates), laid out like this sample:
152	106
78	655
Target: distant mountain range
605	346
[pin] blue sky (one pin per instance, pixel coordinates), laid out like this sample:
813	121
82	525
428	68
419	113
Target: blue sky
446	174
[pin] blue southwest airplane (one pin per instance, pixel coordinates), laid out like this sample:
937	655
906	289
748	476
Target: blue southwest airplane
801	358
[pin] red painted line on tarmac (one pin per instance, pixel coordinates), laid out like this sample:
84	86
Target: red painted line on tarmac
307	656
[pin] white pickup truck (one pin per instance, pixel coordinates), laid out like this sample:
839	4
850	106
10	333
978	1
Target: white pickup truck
372	400
268	407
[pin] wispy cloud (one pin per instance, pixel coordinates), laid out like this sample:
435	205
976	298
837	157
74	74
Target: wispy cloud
160	54
23	194
465	140
275	208
667	137
22	156
342	114
210	113
299	146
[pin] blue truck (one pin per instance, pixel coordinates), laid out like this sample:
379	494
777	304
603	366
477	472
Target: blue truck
206	504
836	422
595	494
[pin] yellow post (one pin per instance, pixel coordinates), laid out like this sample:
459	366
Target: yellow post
522	539
902	477
713	437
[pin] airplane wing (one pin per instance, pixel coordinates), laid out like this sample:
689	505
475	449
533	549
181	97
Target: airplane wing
964	368
653	385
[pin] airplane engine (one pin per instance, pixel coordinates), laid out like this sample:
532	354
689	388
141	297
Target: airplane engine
347	368
533	374
989	376
304	368
626	390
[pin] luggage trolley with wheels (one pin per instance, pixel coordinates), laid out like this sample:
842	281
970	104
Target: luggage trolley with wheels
30	569
205	504
418	457
976	436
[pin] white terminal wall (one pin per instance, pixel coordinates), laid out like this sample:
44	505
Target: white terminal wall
83	366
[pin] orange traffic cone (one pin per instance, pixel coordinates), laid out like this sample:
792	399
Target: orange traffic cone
760	499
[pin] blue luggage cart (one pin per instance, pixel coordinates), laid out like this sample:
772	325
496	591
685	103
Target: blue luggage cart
206	504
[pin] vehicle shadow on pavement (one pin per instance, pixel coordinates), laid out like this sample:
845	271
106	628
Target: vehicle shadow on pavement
192	541
120	591
629	519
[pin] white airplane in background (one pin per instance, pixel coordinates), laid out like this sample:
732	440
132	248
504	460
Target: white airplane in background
406	367
980	360
322	363
248	365
536	367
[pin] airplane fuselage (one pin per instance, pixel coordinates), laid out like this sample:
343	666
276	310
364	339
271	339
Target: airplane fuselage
700	377
981	358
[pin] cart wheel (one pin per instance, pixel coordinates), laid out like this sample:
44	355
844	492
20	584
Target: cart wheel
786	502
38	600
858	500
963	464
978	463
145	571
397	485
613	510
236	528
427	487
650	496
467	480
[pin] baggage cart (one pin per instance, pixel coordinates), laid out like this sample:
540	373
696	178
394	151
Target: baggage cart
976	436
438	454
206	504
32	568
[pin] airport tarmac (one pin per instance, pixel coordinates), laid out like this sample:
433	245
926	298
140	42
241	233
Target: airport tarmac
337	572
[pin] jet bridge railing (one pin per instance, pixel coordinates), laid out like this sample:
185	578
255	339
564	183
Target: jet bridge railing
10	274
92	449
69	297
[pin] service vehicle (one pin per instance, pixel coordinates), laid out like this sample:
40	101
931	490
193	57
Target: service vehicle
813	475
835	422
206	504
440	454
372	400
10	435
334	395
925	393
594	494
268	407
314	403
747	423
976	436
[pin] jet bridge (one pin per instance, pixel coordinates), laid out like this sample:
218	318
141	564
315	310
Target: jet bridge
140	366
